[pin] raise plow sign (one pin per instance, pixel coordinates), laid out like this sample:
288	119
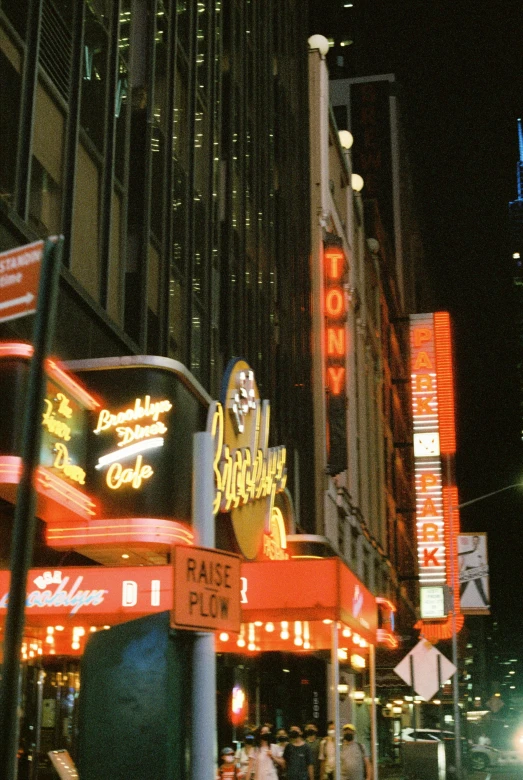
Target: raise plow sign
206	590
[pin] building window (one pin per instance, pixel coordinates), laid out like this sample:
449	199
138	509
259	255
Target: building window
45	201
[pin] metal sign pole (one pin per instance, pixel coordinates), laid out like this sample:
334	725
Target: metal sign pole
373	710
24	523
440	707
455	656
335	664
203	742
413	692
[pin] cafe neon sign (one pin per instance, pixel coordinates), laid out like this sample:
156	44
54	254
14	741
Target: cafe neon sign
139	429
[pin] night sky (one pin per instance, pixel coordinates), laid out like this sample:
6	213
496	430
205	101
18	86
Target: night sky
460	66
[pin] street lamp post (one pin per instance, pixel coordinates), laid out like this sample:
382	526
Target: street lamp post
455	659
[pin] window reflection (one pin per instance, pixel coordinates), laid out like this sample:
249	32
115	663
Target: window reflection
92	115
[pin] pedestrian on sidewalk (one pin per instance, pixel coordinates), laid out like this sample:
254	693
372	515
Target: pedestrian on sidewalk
228	770
282	740
312	740
265	762
297	757
246	752
327	753
354	761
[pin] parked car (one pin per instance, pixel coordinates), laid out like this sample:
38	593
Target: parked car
436	735
423	735
485	756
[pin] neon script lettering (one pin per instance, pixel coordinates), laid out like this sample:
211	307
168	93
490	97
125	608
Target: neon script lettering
55	426
63	462
57	414
142	408
61	597
118	476
248	473
130	436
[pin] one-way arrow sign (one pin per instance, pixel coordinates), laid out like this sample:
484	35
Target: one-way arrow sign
425	666
27	298
19	276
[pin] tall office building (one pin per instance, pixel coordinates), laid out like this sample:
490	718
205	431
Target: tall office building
167	141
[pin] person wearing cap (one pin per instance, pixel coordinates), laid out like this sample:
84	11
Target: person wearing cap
228	769
247	751
355	764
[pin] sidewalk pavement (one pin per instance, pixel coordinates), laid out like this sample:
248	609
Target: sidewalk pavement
387	771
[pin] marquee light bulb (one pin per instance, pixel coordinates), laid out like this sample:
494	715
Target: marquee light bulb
346	139
357	182
319	42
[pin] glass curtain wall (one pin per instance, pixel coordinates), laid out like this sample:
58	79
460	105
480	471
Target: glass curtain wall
168	141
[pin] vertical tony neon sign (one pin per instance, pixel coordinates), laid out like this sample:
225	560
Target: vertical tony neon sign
335	351
335	313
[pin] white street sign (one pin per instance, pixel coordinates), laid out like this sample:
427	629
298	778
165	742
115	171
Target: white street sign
425	663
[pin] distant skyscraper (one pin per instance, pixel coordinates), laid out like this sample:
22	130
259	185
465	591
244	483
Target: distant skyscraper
516	244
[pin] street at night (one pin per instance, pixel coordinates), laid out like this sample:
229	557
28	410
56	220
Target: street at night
261	390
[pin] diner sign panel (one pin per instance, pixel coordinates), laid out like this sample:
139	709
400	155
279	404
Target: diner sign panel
61	476
64	417
94	592
141	439
64	435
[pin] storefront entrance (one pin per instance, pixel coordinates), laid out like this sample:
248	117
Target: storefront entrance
49	714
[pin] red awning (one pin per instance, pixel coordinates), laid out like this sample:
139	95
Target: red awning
282	601
308	590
